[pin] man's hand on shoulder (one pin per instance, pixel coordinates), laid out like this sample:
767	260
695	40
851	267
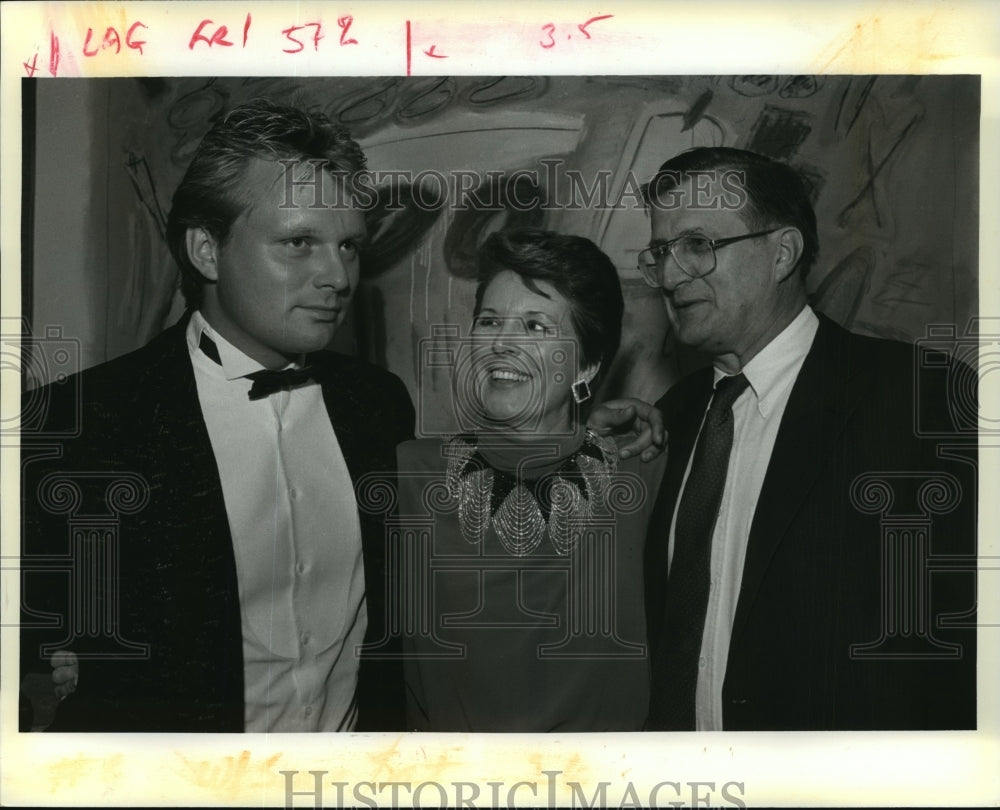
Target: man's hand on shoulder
636	426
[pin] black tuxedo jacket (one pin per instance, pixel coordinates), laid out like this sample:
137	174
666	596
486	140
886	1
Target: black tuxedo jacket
162	632
827	569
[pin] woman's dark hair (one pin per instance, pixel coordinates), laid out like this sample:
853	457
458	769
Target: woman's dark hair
212	193
579	271
775	193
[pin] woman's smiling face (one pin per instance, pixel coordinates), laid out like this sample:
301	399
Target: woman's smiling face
526	356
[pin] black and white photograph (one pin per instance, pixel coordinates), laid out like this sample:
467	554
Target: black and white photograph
466	415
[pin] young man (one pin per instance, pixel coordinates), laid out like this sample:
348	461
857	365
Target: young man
247	569
786	565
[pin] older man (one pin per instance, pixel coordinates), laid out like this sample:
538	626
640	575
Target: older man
776	598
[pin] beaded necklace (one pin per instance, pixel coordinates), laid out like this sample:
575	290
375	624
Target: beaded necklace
521	510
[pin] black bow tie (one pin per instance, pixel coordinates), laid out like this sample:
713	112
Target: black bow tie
266	382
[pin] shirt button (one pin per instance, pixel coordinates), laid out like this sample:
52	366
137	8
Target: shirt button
294	493
702	662
306	638
300	567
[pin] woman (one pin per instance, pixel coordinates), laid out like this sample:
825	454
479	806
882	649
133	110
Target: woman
524	535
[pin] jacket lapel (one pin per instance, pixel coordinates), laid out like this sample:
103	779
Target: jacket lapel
683	408
179	437
183	537
827	391
682	425
345	413
183	471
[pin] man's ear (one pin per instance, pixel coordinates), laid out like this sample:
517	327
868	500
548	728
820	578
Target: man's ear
789	252
203	252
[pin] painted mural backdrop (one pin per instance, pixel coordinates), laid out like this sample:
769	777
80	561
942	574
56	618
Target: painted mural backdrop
891	162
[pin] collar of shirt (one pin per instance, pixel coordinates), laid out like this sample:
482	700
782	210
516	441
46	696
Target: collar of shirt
234	363
775	366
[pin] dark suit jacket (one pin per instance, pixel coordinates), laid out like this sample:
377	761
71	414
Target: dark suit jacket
820	578
137	420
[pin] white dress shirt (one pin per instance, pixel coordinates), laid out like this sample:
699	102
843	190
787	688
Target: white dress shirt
756	416
297	540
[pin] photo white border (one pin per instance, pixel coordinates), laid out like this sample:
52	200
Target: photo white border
790	769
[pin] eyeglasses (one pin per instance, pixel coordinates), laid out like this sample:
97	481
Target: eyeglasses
695	255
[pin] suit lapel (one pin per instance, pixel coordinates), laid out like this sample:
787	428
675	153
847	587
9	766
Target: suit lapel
682	426
345	415
179	435
182	465
828	389
683	409
183	538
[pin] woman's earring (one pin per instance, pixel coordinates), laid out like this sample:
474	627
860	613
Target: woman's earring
581	391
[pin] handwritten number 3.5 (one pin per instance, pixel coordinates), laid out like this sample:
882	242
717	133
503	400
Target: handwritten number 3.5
550	30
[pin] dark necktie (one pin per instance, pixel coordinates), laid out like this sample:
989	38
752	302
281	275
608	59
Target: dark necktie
266	382
209	349
688	583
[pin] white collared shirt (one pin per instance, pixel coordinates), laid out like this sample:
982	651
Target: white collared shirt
297	540
756	417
